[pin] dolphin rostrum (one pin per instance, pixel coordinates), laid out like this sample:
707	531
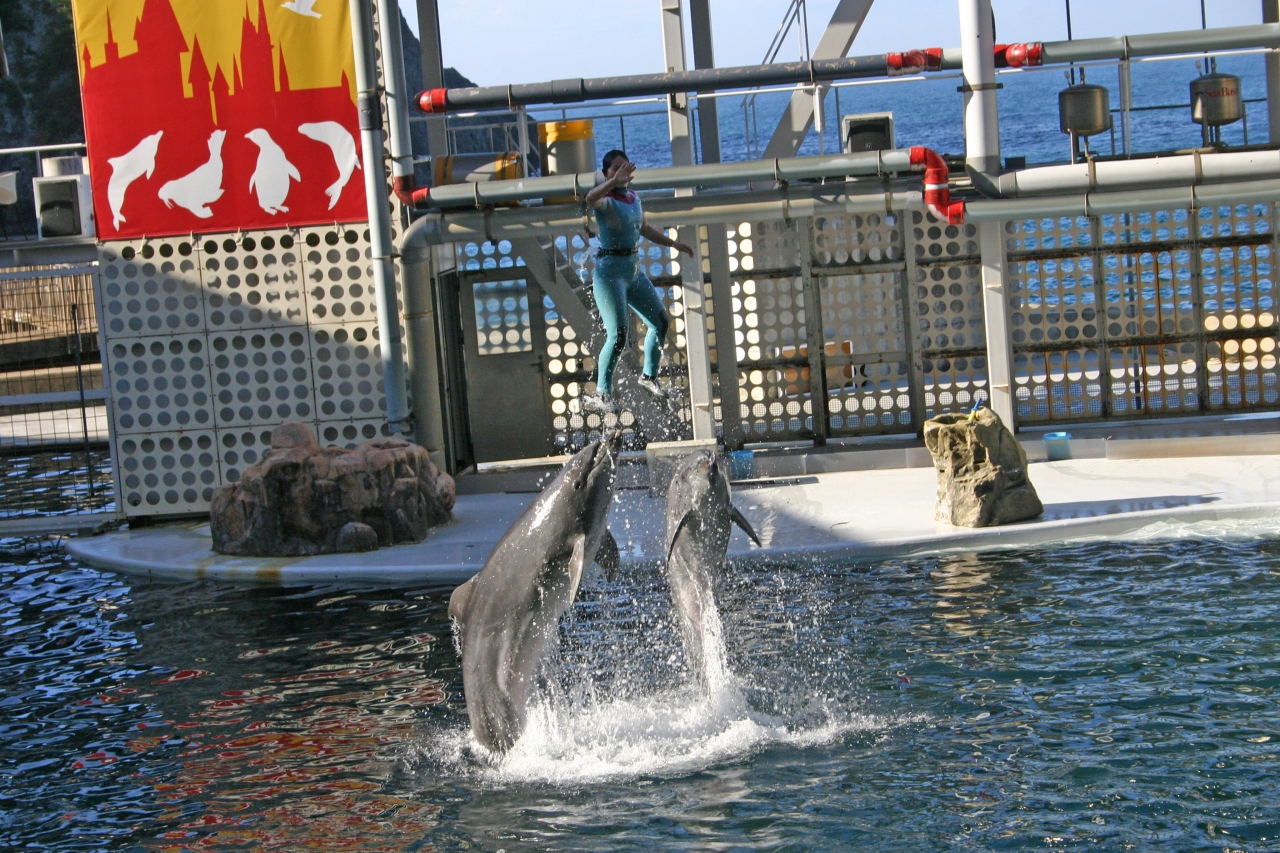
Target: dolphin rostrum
509	613
698	517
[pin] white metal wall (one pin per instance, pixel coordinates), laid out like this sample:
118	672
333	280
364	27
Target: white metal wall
211	342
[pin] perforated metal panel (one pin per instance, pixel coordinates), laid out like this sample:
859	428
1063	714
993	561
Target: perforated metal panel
887	355
1153	313
502	316
213	341
947	315
569	361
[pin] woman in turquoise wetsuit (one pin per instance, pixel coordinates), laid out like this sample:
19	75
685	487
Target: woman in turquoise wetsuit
620	283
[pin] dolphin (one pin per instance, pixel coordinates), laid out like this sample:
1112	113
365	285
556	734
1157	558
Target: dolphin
127	168
507	615
698	517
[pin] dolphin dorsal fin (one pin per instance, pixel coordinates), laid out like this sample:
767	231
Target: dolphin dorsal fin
458	602
741	520
607	555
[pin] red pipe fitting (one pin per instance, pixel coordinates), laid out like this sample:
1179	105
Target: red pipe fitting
1027	55
433	100
914	61
403	187
937	193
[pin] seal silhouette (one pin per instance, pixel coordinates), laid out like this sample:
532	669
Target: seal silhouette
343	146
197	190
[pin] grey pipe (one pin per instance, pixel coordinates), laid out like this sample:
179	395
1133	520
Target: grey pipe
395	89
795	201
822	70
1189	197
1162	44
639	85
423	367
377	196
479	194
981	118
1112	175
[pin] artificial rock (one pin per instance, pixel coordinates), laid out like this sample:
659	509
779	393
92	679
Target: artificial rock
302	499
982	471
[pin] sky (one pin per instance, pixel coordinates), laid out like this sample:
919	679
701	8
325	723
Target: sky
495	42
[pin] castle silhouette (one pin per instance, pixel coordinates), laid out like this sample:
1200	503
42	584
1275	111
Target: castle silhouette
127	99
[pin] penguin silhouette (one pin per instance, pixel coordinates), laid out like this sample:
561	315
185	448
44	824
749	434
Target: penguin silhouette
201	188
126	169
343	145
272	173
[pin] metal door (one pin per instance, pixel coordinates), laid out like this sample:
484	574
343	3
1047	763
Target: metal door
506	395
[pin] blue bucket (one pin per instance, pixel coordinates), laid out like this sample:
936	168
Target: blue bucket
742	465
1057	446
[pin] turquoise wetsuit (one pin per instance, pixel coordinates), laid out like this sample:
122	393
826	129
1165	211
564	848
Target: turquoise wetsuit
619	282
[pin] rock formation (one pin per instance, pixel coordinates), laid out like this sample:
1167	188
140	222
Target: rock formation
982	471
301	499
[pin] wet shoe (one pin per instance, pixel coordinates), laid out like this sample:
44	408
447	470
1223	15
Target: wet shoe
600	404
651	385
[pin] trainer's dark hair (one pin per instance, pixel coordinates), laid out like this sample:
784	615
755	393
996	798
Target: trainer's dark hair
610	157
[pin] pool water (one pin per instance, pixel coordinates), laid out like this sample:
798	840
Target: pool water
1105	696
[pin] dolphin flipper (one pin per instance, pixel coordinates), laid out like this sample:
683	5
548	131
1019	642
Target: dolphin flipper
608	557
741	520
671	546
577	565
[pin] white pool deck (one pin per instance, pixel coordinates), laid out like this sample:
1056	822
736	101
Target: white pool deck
836	516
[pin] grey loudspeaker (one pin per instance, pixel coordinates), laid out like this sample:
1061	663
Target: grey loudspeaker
64	207
867	132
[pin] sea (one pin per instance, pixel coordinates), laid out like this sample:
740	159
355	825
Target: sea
928	110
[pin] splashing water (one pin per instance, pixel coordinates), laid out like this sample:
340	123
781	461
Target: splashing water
665	721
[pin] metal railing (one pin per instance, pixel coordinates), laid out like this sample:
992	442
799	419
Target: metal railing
53	402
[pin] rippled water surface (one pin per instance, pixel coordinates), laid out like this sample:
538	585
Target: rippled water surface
1105	697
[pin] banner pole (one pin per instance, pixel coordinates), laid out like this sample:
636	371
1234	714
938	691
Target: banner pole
377	195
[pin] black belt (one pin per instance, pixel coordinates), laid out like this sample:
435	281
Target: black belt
616	253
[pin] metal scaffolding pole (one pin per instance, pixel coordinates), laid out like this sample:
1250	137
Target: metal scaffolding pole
695	306
717	243
1271	15
419	317
982	154
704	57
378	198
432	72
798	117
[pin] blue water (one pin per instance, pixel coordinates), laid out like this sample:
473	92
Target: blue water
1103	697
930	113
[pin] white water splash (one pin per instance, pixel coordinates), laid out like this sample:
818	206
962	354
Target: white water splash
686	727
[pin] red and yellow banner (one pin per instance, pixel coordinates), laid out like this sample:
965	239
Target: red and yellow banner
219	115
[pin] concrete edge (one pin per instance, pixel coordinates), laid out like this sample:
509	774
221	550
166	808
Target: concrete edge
1008	537
1015	536
266	570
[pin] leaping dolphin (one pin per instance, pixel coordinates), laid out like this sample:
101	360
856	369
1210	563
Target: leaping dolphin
698	517
127	168
508	614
